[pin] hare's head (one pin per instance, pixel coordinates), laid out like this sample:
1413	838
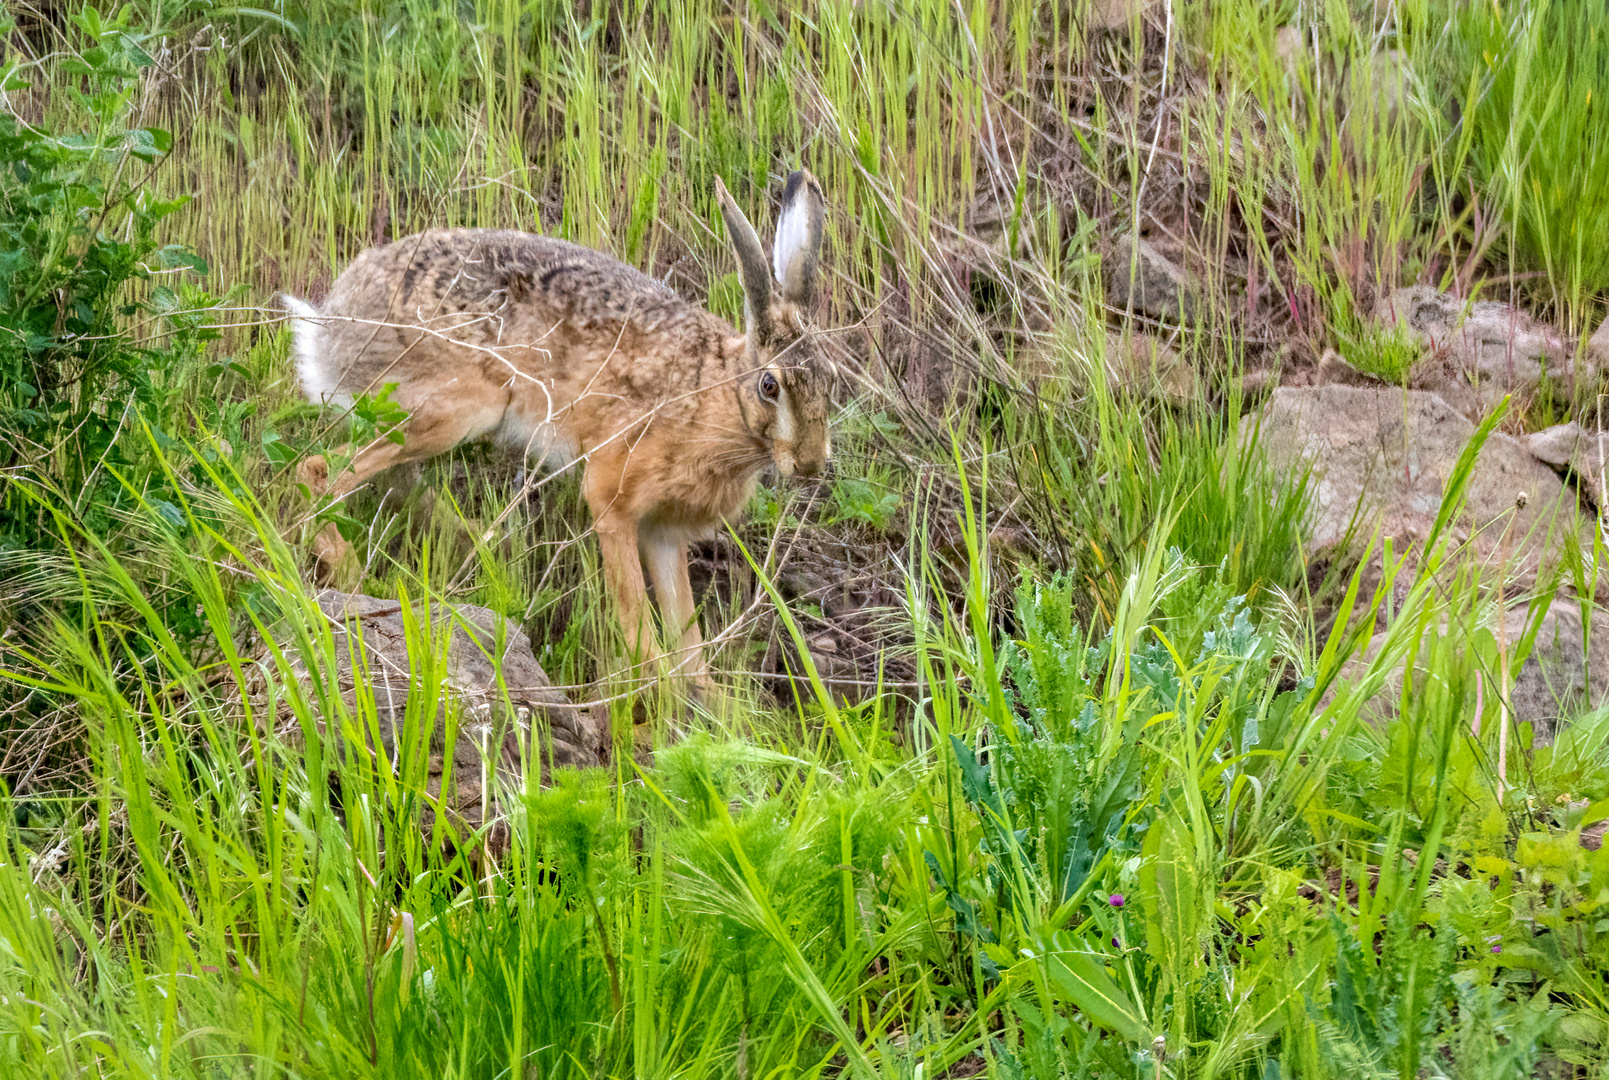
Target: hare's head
784	384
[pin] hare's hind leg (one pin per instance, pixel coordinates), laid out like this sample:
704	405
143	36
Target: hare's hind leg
334	562
430	431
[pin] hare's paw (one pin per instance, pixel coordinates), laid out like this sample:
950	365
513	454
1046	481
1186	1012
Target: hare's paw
335	562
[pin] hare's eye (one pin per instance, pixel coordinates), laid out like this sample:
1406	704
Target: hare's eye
769	388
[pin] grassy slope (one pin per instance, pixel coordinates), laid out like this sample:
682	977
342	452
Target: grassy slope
845	891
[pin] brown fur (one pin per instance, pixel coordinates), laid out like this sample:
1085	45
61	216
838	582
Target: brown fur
567	353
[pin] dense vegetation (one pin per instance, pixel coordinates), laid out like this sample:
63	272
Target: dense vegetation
1100	795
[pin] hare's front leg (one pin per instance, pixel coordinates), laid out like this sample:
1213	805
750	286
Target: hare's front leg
615	522
667	565
622	573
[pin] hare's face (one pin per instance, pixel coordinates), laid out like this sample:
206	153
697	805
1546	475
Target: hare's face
789	383
792	395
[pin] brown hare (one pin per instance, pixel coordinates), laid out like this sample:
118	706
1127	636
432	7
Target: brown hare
571	355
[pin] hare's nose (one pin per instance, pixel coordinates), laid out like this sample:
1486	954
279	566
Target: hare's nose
818	468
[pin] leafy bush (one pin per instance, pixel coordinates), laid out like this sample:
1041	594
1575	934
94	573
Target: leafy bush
83	367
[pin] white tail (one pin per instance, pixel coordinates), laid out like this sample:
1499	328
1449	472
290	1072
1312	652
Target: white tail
318	382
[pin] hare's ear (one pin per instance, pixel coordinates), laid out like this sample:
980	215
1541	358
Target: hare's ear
798	244
751	261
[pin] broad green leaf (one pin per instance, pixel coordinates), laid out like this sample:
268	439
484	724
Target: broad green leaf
1170	894
976	786
1081	978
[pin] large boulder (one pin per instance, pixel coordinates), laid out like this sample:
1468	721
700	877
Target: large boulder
1477	353
1562	676
1380	460
490	680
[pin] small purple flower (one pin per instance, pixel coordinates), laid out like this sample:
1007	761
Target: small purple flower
1116	944
1496	949
1116	899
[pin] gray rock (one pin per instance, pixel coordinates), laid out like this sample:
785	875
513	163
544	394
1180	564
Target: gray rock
504	699
1119	14
1288	46
1380	459
988	227
1372	91
1559	679
1571	447
1141	278
1598	346
1333	369
1592	836
1591	465
835	664
1555	446
1476	353
1138	365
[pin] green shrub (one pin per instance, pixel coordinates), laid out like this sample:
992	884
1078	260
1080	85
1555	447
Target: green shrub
98	321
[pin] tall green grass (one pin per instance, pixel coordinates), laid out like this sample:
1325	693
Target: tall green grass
1093	859
1524	78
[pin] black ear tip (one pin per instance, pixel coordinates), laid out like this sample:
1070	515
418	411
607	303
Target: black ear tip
799	178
